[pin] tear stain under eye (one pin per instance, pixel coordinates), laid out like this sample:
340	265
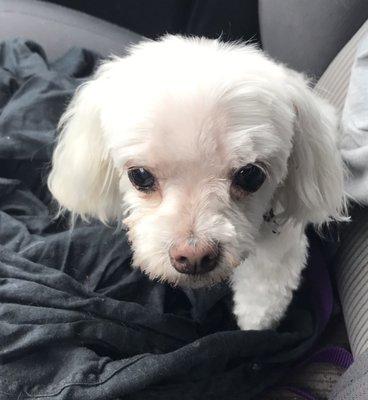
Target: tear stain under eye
236	262
238	194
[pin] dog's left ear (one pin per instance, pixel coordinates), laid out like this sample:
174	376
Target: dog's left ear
83	178
313	190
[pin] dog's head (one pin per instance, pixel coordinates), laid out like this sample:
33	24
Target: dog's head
190	142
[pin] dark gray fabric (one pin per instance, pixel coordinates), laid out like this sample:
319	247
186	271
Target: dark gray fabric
306	34
76	321
232	19
58	28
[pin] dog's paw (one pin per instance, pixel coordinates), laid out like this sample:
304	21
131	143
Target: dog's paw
253	319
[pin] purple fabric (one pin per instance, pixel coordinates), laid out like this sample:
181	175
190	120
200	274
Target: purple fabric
333	355
302	393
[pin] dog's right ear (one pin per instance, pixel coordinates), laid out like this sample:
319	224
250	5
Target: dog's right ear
313	190
83	179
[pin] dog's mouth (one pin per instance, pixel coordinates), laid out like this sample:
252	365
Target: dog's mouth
193	280
196	281
221	273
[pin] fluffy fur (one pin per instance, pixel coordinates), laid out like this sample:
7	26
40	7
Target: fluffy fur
192	110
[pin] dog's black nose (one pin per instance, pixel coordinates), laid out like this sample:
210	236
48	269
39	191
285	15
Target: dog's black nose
194	259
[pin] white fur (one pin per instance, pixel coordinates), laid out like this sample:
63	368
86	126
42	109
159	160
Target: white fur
192	110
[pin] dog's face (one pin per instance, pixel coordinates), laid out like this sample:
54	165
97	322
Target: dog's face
190	142
198	182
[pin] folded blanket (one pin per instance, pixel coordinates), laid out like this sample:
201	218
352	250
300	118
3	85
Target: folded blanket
76	321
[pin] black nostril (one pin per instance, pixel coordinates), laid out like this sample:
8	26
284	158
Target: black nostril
207	264
183	265
206	259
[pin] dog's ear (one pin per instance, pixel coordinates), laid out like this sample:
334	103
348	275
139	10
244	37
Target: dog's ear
313	190
83	179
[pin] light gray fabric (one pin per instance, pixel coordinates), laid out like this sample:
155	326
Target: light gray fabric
352	259
333	84
57	28
354	383
352	282
352	279
354	125
307	34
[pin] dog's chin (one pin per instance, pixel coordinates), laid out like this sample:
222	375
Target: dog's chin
195	281
200	281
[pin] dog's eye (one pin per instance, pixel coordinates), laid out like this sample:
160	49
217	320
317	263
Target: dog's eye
142	179
249	178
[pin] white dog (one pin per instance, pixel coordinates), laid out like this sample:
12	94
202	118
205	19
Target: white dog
214	157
